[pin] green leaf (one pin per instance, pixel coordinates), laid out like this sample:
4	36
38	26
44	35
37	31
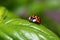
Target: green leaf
11	15
22	29
2	12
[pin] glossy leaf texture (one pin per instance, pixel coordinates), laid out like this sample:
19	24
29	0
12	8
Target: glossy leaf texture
20	29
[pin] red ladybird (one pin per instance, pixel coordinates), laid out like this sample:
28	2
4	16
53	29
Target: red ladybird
35	19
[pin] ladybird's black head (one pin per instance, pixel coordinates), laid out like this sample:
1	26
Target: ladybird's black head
32	18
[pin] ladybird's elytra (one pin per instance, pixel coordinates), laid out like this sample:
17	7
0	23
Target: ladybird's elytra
35	19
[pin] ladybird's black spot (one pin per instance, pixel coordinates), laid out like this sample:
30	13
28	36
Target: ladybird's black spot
38	19
33	18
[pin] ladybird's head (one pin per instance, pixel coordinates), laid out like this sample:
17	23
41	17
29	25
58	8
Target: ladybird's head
32	19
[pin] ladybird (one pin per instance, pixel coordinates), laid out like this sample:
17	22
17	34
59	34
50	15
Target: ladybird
35	19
